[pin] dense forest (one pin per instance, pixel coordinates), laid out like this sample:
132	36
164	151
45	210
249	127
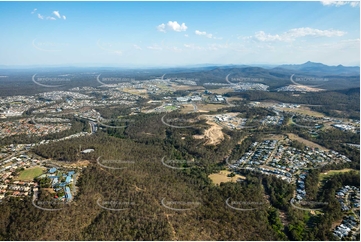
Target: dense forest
145	183
261	211
343	103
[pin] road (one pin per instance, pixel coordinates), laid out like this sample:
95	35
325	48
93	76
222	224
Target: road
195	107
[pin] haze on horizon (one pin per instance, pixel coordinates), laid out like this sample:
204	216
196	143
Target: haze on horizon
151	34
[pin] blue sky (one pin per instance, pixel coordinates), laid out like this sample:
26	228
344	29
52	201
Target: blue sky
155	34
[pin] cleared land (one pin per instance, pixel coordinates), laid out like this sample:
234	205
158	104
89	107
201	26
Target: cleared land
184	87
305	111
329	173
187	108
30	174
221	90
306	142
230	99
137	92
214	134
221	176
210	107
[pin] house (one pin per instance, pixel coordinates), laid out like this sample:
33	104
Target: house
87	151
52	170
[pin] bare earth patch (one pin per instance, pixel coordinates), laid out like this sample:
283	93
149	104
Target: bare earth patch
214	134
306	142
221	176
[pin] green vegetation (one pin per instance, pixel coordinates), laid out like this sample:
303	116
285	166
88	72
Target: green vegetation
30	173
146	181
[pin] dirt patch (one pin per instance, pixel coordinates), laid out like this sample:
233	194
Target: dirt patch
305	111
222	90
230	99
221	176
214	134
210	107
137	92
137	189
198	136
242	139
184	87
306	142
49	190
187	108
274	136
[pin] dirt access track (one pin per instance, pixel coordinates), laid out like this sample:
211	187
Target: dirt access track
214	134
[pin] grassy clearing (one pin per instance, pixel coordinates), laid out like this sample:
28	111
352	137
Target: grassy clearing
306	142
187	108
210	107
327	174
304	111
31	173
217	178
221	90
137	92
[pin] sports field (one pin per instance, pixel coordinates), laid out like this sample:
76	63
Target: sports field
31	173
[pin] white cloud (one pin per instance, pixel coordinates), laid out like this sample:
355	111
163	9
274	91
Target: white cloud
218	46
262	36
339	3
161	28
154	47
172	25
176	27
193	47
186	35
56	13
293	34
204	33
137	47
174	48
354	4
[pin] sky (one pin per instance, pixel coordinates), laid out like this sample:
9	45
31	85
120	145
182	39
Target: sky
164	34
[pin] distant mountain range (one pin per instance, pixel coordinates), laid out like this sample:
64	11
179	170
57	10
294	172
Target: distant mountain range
306	68
319	68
